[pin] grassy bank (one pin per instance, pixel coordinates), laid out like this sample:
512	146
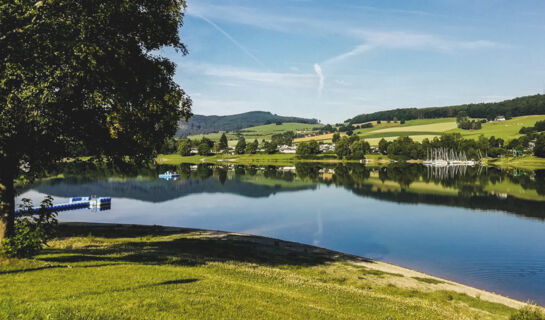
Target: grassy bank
123	272
525	163
278	159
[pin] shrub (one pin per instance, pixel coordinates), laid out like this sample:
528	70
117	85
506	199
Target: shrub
528	313
32	230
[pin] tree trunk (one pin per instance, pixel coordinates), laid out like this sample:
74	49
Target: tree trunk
7	207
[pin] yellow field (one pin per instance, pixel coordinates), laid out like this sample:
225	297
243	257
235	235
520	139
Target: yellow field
322	137
433	127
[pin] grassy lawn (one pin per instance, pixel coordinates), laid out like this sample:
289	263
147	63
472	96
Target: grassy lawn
107	272
506	130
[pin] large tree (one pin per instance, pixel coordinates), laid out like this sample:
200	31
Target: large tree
84	74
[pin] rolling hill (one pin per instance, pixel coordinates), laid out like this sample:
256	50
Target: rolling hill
199	124
522	106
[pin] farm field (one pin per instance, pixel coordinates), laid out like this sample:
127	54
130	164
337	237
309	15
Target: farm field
430	128
261	132
323	137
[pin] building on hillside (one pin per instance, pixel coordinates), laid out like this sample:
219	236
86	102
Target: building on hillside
499	118
327	147
287	149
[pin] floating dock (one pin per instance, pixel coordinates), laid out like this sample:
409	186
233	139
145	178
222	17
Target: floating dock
75	203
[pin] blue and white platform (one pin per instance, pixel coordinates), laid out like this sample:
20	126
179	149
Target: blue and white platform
75	203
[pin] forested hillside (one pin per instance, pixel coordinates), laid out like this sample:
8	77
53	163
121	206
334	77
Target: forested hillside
199	124
522	106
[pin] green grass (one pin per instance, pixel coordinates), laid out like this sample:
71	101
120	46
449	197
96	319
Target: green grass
525	162
261	132
154	273
506	130
277	159
428	280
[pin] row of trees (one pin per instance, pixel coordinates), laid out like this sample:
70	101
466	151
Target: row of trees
406	148
206	146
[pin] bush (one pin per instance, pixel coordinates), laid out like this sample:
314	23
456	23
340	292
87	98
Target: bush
308	149
203	149
528	313
32	231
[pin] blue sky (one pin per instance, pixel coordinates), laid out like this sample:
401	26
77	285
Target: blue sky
332	60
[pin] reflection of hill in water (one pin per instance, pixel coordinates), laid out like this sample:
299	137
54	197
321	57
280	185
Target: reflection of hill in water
474	189
157	190
527	208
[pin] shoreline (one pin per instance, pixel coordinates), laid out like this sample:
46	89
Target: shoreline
295	247
280	159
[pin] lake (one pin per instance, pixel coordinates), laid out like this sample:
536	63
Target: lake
483	227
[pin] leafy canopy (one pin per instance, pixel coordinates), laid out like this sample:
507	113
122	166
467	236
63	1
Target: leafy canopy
87	73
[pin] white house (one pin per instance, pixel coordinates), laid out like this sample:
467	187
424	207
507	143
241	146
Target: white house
500	118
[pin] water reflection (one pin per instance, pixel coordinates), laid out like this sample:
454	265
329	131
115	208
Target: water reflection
514	191
404	214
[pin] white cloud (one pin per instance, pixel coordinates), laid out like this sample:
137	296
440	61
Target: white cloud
321	78
233	40
406	40
290	79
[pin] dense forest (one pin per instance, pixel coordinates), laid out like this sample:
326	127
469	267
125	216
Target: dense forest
521	106
199	124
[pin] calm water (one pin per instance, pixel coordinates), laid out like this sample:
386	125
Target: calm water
482	227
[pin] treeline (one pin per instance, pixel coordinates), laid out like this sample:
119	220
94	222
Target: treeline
205	146
530	105
404	148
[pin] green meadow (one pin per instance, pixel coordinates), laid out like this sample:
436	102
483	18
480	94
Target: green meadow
261	132
123	272
429	128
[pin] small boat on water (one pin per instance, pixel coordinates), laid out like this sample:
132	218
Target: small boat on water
169	175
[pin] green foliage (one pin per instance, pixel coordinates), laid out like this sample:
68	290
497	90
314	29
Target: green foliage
428	280
251	148
358	150
308	149
204	149
86	74
327	129
539	148
285	138
199	124
528	313
467	124
342	147
223	144
184	147
383	146
336	137
240	148
270	147
405	148
32	231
